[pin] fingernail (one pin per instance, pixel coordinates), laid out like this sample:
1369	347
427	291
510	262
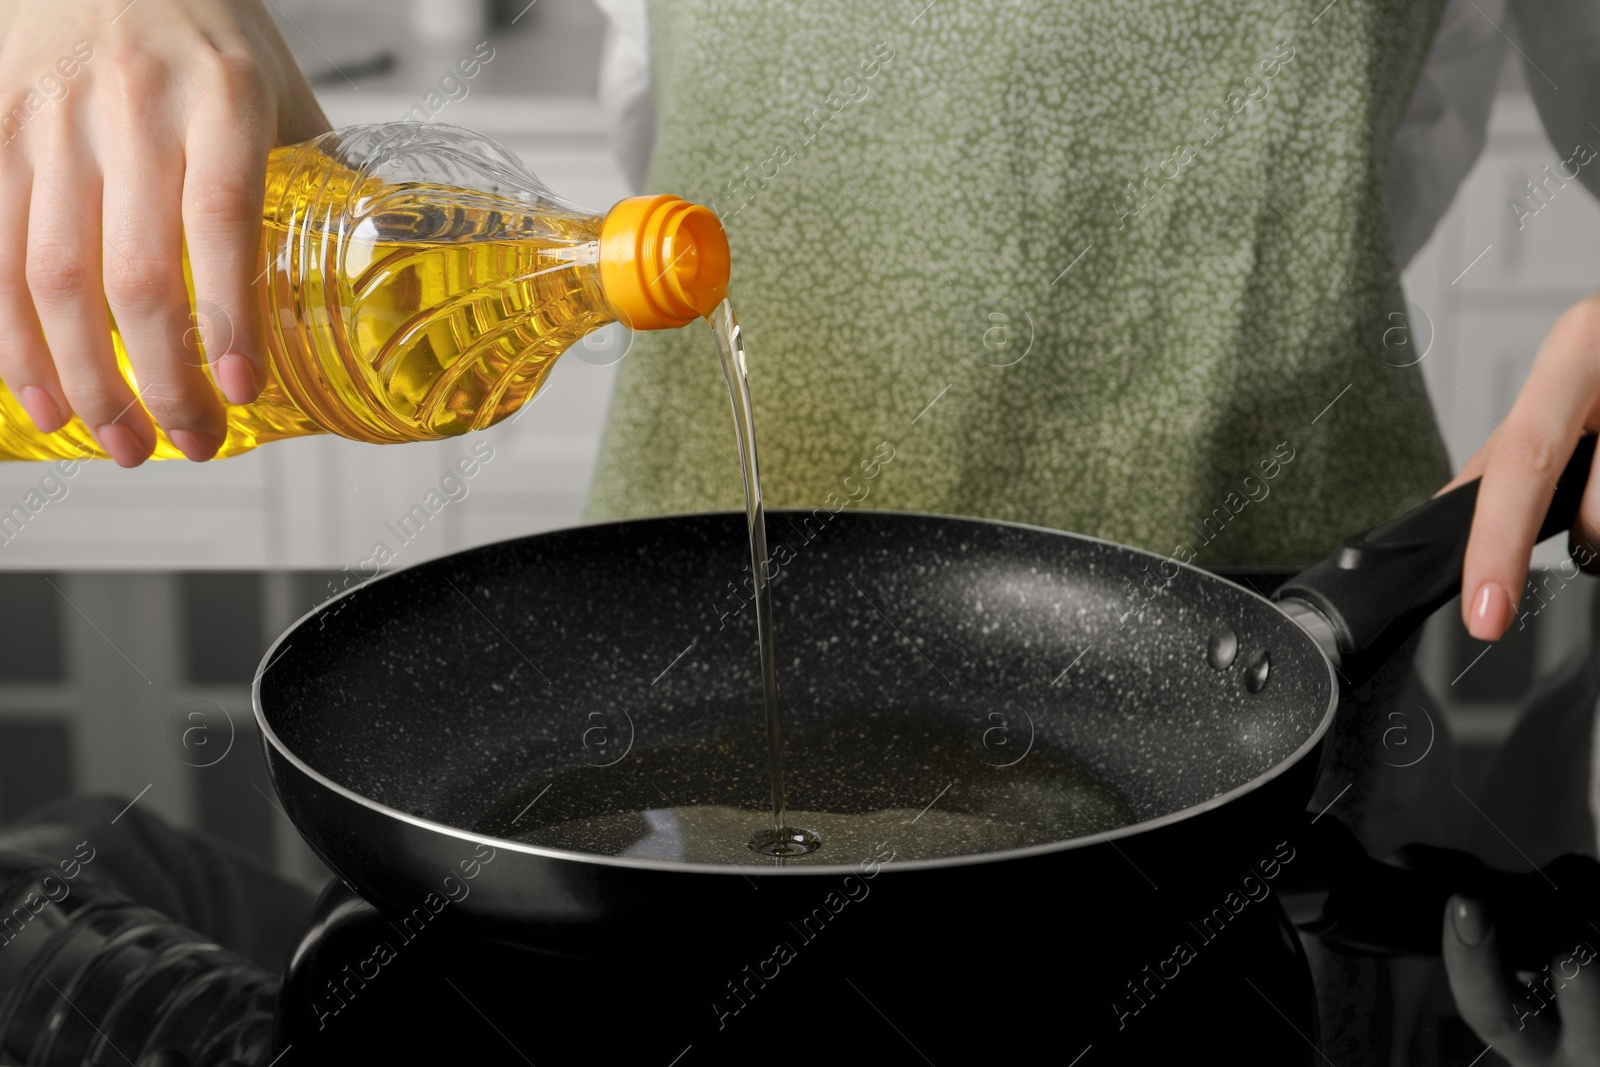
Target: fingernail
41	408
122	443
195	444
1468	919
238	379
1491	613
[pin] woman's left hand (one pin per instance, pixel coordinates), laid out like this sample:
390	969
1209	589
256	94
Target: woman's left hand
1519	465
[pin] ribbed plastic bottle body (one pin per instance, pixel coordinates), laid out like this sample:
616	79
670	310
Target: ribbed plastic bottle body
416	283
86	977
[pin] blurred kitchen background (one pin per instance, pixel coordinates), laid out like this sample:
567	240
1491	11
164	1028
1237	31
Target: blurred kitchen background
137	608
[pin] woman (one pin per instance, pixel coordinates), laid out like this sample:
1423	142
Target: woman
1100	267
1084	265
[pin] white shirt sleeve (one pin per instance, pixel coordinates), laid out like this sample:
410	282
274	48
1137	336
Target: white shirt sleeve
1560	45
625	92
1445	127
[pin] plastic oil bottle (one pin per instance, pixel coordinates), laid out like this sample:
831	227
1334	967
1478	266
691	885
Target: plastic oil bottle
418	282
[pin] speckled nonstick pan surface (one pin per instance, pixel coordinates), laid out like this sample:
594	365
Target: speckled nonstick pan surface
409	724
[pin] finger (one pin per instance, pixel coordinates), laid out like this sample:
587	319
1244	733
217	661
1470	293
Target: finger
25	364
1532	447
1515	1020
143	256
1472	468
1578	1000
227	142
63	272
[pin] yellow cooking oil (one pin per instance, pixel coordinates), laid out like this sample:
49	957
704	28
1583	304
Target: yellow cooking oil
403	309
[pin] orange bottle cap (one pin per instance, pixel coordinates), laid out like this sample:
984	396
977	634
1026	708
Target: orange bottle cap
663	261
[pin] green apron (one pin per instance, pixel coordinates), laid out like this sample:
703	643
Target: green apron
1117	268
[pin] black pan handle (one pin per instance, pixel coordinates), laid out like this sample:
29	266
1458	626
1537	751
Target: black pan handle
1376	588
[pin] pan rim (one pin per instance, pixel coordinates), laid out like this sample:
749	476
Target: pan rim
270	737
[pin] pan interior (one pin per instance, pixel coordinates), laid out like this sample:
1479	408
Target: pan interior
949	687
914	783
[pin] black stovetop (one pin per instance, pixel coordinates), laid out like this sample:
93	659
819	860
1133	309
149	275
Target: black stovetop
363	987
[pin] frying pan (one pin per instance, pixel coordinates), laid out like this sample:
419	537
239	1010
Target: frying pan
411	725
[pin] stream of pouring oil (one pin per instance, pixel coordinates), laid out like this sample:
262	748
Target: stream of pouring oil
781	840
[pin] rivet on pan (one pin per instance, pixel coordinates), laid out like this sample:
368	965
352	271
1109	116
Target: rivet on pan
1257	670
1223	648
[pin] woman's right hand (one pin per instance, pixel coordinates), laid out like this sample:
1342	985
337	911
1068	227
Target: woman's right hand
126	130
